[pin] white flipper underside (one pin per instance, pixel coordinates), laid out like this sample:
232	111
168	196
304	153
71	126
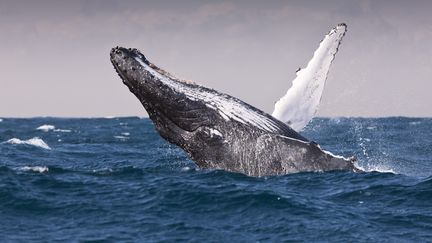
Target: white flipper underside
299	105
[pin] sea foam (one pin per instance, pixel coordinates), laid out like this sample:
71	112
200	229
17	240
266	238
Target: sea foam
32	141
62	130
377	168
122	138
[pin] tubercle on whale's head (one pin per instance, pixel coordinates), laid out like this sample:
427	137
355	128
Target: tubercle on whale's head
126	64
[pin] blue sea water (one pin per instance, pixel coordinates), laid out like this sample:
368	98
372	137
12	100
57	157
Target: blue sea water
118	180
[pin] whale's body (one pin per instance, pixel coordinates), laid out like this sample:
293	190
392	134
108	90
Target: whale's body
217	130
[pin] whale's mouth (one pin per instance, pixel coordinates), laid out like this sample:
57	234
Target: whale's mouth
116	65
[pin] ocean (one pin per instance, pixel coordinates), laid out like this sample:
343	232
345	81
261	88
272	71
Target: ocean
116	179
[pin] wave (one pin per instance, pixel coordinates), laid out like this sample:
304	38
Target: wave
46	128
37	142
40	169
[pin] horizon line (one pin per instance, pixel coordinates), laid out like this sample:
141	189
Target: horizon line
141	117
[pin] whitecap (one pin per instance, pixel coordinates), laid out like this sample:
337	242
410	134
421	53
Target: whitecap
32	141
62	130
186	168
125	133
1	120
123	138
46	128
103	171
40	169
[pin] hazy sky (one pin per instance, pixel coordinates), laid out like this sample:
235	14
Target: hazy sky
55	54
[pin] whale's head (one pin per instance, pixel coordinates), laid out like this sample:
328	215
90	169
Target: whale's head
182	112
166	98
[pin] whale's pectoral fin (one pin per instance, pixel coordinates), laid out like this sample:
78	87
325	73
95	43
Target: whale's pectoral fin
299	105
288	155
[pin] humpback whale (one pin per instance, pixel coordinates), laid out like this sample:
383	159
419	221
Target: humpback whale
216	130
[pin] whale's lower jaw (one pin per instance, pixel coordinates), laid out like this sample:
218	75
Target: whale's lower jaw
219	131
